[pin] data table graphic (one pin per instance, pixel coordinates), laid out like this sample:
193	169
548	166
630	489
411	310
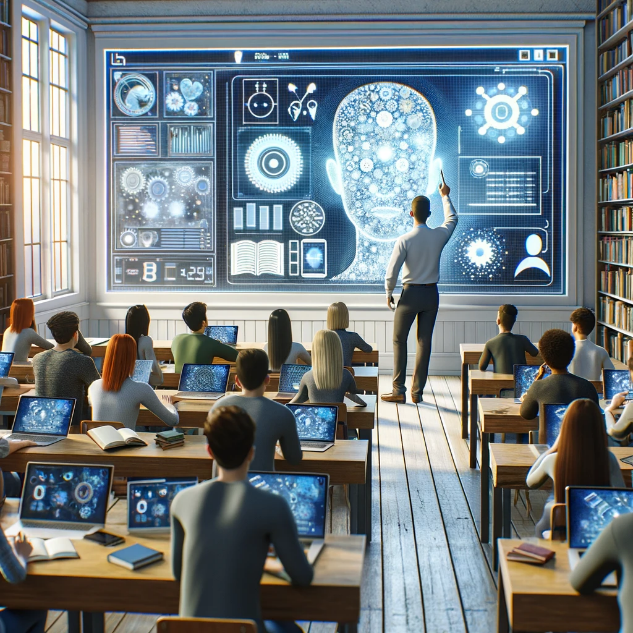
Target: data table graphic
268	171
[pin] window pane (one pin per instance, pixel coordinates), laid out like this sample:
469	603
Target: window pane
32	217
30	76
59	84
59	217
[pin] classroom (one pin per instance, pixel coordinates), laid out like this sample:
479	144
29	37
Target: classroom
316	317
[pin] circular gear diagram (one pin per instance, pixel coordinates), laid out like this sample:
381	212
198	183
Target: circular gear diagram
185	176
203	186
205	379
132	180
158	188
307	217
273	163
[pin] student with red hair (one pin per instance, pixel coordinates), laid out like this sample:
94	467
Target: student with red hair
118	398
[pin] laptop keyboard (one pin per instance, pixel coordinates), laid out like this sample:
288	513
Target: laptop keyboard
43	439
310	444
57	525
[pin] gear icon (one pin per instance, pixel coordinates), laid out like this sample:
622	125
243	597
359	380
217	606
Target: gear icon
203	186
185	176
273	163
307	217
158	188
132	180
174	101
191	108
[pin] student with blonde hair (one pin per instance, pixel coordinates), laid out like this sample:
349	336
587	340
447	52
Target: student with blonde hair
328	380
338	321
118	398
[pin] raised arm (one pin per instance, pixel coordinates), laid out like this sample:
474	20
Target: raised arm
450	217
82	345
395	264
485	358
166	412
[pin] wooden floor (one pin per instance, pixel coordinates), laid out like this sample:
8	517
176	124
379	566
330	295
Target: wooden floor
425	570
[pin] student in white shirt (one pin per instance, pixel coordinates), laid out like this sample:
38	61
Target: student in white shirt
624	426
589	359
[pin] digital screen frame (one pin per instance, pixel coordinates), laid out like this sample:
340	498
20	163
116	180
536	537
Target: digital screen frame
326	241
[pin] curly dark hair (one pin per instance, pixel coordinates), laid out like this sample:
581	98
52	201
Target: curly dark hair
557	348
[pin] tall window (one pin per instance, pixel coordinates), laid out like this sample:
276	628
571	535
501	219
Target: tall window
46	158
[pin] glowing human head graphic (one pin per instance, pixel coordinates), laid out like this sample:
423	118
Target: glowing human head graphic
384	142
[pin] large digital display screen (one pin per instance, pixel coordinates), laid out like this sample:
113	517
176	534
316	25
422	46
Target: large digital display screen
293	170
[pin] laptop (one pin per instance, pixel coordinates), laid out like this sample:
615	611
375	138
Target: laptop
203	382
44	421
616	381
553	420
142	370
316	426
68	500
226	334
290	378
149	501
589	511
6	360
306	495
524	376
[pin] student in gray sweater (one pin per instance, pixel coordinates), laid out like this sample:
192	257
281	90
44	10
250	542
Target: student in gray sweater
274	422
21	333
338	320
222	530
557	349
62	372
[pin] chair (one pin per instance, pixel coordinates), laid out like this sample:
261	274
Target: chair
87	425
204	625
558	522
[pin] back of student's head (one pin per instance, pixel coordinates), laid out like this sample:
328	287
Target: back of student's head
327	360
119	361
279	338
137	322
63	326
583	456
421	207
230	432
557	348
507	316
251	367
22	315
194	315
337	316
584	320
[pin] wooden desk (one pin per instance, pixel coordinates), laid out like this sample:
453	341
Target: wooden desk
10	397
540	598
98	350
91	583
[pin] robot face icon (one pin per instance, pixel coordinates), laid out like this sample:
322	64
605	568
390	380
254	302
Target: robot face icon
384	142
260	101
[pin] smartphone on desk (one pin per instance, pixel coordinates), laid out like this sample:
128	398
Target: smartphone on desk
107	539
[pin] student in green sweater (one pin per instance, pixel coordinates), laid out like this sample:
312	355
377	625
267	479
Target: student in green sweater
195	347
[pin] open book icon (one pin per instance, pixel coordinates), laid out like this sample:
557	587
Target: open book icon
257	258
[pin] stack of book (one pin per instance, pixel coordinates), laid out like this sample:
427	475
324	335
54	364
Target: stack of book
529	553
170	439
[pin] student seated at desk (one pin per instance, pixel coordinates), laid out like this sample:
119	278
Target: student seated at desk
118	398
13	562
328	380
280	347
62	372
274	422
557	350
222	530
196	348
579	457
589	359
506	349
611	551
10	483
137	326
338	320
21	333
624	426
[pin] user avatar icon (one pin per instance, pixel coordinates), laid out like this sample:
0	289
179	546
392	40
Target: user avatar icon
534	246
384	141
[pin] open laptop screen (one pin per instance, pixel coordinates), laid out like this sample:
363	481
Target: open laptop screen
306	494
315	422
6	360
616	381
209	378
226	334
290	377
590	510
44	416
554	414
149	502
142	370
76	493
524	376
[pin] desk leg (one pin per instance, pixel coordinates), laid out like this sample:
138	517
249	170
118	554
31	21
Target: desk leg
473	431
503	623
484	528
74	622
347	628
367	434
353	507
464	401
507	513
93	622
496	525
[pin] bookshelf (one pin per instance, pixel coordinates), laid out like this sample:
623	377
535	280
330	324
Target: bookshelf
615	177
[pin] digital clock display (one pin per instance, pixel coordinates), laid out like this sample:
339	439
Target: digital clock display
147	272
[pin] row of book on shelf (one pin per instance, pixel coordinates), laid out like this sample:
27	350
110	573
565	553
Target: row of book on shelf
616	219
617	186
614	56
617	120
5	260
614	154
614	20
616	86
616	313
616	249
616	343
617	281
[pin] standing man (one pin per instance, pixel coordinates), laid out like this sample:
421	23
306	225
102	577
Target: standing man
420	252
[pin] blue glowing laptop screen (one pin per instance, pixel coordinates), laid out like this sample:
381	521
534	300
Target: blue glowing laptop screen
616	381
524	376
44	416
6	360
142	370
554	414
149	502
315	422
226	334
290	377
209	378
